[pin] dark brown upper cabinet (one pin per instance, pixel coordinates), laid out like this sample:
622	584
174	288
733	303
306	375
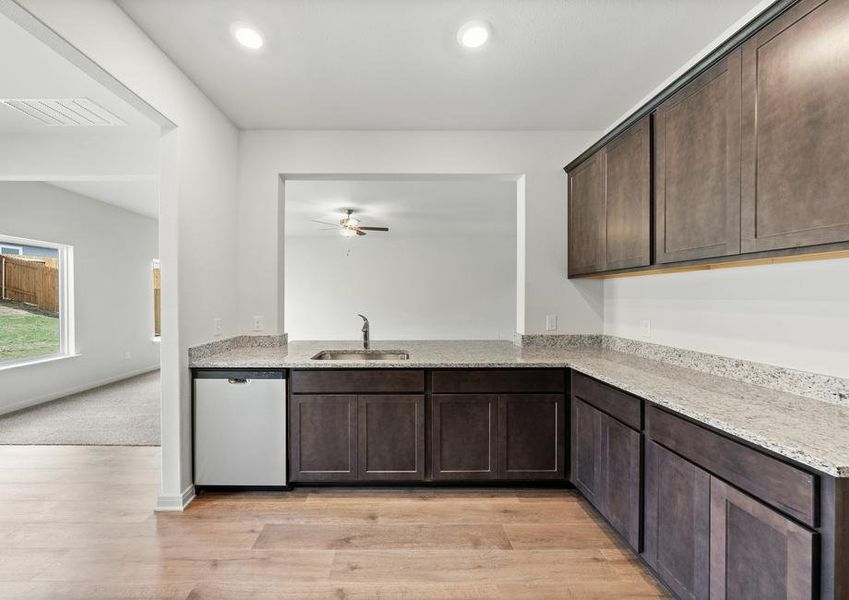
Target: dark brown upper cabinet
609	206
587	216
697	167
795	189
627	227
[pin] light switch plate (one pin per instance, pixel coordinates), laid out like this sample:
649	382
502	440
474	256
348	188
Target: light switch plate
551	322
216	325
645	328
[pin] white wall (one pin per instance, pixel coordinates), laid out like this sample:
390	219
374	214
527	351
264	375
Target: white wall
537	157
408	287
197	174
113	250
793	315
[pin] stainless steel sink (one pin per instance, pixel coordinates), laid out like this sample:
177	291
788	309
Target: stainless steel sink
362	355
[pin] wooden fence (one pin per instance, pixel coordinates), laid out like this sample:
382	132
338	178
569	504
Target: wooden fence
157	306
31	280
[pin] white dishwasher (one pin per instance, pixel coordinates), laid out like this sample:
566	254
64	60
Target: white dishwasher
240	428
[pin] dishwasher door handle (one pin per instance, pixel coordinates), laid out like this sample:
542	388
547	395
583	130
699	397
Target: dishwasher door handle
234	380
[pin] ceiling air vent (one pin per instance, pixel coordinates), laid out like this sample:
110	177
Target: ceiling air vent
64	112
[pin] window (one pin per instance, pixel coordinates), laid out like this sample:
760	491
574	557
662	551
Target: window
35	300
157	301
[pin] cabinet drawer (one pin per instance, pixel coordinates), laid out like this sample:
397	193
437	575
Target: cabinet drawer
499	381
357	381
615	403
783	486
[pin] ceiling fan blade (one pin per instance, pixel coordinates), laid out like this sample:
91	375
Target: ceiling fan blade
324	222
360	232
374	228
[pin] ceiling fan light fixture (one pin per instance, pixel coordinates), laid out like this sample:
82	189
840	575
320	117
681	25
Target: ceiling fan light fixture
348	232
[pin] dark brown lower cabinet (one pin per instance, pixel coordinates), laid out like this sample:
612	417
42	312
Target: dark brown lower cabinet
755	552
505	437
323	442
621	478
586	451
391	437
677	522
463	435
531	436
606	467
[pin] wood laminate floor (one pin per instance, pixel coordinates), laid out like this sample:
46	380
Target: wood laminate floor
78	523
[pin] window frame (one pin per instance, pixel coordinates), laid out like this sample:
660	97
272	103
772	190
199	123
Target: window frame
67	341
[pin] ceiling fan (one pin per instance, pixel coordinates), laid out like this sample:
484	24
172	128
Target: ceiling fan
349	226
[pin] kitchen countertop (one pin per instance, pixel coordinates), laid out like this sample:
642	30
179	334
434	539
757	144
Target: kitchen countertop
811	432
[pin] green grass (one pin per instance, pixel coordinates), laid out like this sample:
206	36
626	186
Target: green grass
25	332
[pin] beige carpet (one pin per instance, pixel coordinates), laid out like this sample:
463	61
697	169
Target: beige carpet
125	413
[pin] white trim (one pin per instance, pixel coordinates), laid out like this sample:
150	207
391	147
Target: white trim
34	360
75	390
176	503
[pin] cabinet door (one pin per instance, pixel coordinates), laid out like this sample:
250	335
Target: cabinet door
621	478
795	129
755	552
585	453
587	228
627	206
391	438
463	433
324	438
677	522
697	167
530	436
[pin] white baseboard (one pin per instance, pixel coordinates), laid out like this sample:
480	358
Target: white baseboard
176	503
74	390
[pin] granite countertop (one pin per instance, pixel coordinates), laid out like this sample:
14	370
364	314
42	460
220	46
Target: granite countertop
809	431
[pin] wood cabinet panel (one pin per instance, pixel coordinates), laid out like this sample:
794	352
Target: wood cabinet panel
677	522
353	381
464	434
787	488
391	438
697	167
587	228
610	206
585	452
323	442
618	404
756	553
621	477
795	128
531	442
628	199
498	381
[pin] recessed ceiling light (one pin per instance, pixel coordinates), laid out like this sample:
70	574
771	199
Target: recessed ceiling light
247	36
473	34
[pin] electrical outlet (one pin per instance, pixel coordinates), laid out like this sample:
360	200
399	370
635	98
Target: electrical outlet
551	322
216	326
645	328
258	323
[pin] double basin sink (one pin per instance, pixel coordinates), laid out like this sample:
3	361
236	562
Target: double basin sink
364	355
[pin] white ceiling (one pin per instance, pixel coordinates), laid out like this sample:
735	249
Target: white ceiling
29	69
140	195
395	64
409	208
